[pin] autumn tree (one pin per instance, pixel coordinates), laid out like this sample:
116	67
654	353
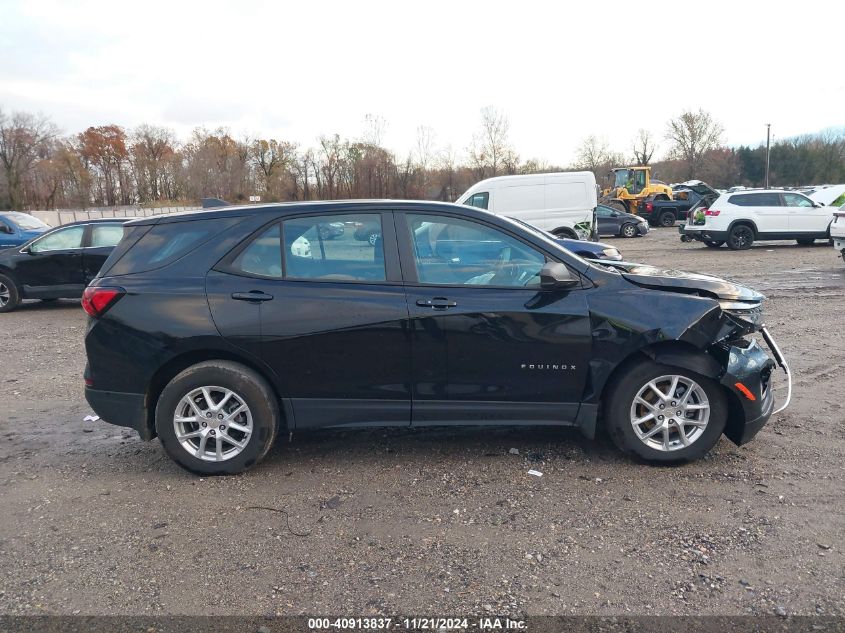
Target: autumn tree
152	150
692	135
104	149
24	139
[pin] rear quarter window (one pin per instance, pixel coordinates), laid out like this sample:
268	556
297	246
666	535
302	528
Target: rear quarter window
161	244
756	200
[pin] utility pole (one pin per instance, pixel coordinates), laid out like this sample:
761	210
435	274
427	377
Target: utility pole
768	149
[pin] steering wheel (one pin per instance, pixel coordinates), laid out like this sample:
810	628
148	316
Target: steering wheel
505	269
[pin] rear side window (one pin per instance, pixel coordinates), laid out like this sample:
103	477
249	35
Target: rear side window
164	243
756	200
263	256
334	248
104	235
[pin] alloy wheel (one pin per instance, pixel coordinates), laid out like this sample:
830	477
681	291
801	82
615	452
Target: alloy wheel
670	412
213	423
629	230
741	237
5	295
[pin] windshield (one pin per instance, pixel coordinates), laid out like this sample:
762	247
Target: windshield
26	221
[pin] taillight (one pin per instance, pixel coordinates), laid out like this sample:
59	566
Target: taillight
649	206
712	212
96	300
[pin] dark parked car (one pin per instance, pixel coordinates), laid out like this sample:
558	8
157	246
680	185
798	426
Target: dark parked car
58	264
209	331
686	197
367	233
615	223
332	230
18	228
584	248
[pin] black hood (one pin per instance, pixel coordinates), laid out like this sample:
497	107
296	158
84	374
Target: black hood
662	279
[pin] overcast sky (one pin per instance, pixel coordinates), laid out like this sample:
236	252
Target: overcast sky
560	71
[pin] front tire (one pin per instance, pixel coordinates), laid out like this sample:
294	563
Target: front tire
217	418
10	296
740	237
628	230
643	421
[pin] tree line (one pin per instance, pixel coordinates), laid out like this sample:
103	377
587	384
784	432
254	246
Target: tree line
109	165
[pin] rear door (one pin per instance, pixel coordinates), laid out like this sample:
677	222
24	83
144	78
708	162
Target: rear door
768	212
52	264
330	314
804	216
100	240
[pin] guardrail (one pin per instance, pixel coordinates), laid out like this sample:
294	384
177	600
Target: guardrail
58	217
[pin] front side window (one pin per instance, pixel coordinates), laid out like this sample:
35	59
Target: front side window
479	200
795	200
106	235
604	212
60	240
263	256
451	251
344	247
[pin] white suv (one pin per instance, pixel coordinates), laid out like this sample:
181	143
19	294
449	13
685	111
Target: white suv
837	232
741	217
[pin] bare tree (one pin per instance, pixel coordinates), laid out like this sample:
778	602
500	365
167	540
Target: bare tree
24	139
643	146
594	154
693	134
491	148
374	129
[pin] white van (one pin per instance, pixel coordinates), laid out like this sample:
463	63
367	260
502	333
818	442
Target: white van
563	203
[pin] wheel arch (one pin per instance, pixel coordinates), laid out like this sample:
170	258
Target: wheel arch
178	364
746	222
675	353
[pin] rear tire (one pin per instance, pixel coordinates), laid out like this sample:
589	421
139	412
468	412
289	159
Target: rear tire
740	237
567	233
713	243
702	425
667	219
188	406
10	296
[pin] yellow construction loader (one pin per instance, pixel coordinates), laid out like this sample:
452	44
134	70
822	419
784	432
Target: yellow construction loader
630	187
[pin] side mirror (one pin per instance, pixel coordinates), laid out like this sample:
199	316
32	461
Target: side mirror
27	250
556	275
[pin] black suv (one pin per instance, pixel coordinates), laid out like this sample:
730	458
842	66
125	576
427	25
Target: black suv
59	263
214	330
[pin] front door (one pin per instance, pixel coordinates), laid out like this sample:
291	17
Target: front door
53	266
804	216
333	317
489	346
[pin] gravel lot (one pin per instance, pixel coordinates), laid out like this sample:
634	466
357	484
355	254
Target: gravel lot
436	522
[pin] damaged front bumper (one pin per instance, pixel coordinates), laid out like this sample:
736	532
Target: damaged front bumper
747	375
